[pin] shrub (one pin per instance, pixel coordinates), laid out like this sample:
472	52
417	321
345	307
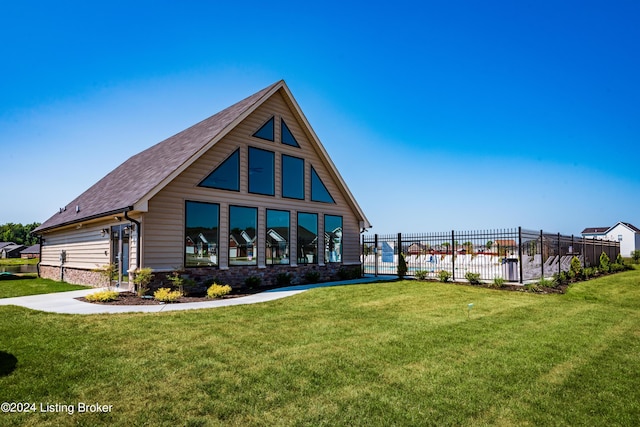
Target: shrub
216	291
498	282
588	272
141	279
421	274
576	268
444	275
109	272
102	296
284	279
402	266
605	263
312	276
167	295
348	273
635	255
559	279
253	281
473	278
545	283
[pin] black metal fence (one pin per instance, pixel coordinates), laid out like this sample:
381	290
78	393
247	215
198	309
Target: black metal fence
514	254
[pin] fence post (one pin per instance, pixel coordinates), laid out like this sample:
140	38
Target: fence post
520	251
399	250
453	255
559	256
375	252
542	254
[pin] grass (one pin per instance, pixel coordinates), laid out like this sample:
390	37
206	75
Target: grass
31	285
18	261
401	353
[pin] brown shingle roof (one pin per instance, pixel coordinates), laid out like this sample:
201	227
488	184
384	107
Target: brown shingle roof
591	230
130	182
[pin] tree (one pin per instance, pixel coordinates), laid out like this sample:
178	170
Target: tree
18	233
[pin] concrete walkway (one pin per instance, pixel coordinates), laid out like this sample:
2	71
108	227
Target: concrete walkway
65	302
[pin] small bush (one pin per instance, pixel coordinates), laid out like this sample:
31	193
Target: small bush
473	278
216	291
312	276
253	281
421	274
284	279
588	272
166	295
635	255
575	269
559	279
545	283
141	279
402	266
605	263
444	275
102	296
498	282
348	273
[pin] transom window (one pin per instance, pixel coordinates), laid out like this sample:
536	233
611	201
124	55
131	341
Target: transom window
292	177
261	171
226	176
266	131
319	192
286	135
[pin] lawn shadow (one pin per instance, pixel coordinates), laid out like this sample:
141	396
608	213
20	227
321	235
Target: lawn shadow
7	363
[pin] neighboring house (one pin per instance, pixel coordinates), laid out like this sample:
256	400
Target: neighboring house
627	234
11	250
248	191
31	252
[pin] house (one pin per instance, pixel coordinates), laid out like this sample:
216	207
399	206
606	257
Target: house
11	250
627	234
249	191
32	251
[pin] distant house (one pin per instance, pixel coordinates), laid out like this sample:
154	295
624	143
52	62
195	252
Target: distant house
627	234
11	250
250	191
31	252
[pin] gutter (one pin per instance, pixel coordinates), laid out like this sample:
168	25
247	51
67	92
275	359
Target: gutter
137	223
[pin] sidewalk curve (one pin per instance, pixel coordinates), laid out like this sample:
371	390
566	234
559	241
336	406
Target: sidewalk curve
66	302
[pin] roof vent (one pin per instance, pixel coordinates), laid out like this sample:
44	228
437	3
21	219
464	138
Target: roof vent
77	208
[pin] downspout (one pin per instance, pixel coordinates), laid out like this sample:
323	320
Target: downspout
137	223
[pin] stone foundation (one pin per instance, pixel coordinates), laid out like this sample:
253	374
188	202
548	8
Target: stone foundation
236	276
74	276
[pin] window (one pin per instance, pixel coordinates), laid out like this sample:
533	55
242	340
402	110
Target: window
619	237
277	238
261	171
332	238
286	135
226	176
266	131
242	235
319	192
201	234
307	238
292	177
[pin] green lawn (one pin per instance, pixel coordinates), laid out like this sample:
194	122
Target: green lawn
29	284
402	353
18	261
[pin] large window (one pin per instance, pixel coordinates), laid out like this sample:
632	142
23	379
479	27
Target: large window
227	175
332	238
292	177
201	234
277	238
261	171
242	235
307	238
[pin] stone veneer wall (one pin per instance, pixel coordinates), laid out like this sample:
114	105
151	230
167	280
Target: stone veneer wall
73	275
236	275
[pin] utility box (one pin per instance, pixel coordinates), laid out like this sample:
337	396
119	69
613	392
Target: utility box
511	269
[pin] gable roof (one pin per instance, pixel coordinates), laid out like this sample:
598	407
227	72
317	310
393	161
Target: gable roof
595	230
626	224
134	182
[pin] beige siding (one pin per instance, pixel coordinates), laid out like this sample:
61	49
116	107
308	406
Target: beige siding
164	223
86	247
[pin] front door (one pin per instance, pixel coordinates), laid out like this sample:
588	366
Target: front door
120	249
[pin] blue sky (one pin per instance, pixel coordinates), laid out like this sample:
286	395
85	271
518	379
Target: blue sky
439	115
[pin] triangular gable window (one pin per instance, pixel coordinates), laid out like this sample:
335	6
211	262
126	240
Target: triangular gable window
319	192
287	137
266	131
226	176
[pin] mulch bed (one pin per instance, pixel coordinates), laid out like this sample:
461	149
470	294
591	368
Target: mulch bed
130	298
